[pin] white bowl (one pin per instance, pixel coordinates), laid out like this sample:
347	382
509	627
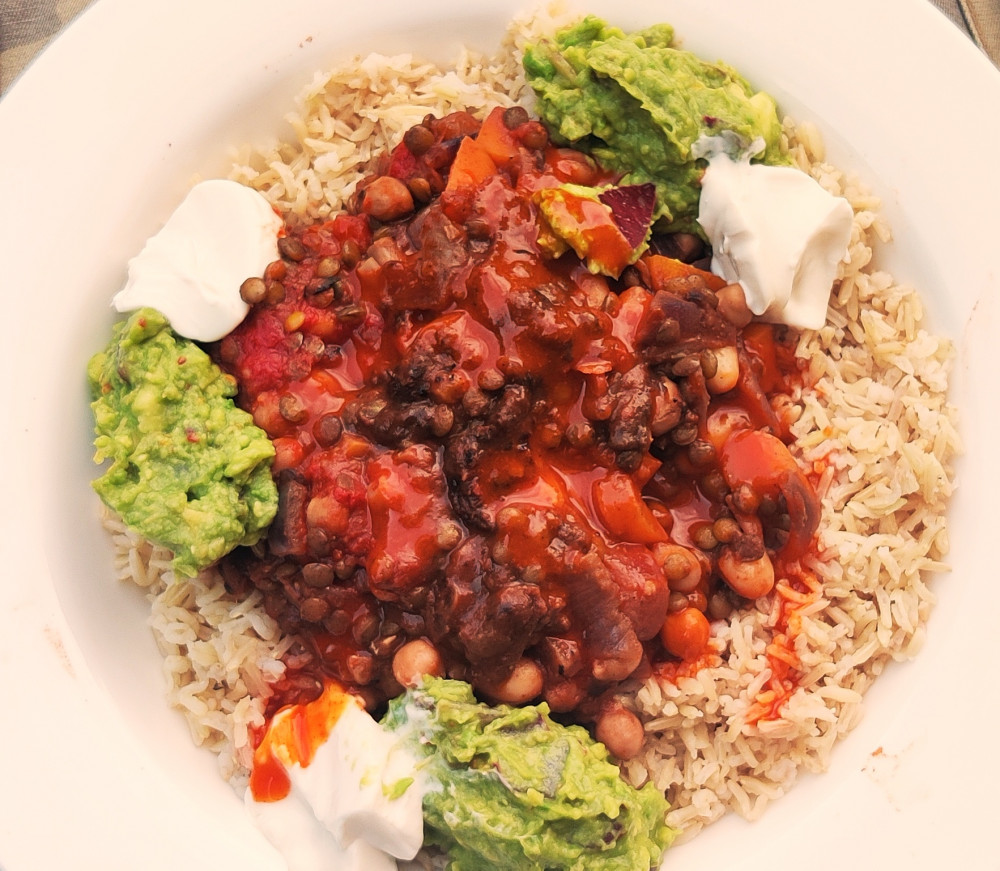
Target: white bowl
100	138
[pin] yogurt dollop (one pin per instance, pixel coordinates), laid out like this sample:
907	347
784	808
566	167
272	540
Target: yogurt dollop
353	796
191	270
777	232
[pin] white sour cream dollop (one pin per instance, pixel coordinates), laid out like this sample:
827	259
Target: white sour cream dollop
356	805
774	230
191	270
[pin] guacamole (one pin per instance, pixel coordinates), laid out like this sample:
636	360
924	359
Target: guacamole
189	470
508	787
638	105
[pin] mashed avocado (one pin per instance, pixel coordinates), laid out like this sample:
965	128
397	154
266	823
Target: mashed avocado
509	788
189	470
638	105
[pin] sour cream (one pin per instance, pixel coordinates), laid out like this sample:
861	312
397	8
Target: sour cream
191	270
776	232
353	795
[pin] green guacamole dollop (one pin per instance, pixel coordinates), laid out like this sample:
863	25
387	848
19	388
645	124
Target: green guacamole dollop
638	105
188	469
510	788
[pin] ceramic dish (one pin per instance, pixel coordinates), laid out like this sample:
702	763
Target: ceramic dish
100	138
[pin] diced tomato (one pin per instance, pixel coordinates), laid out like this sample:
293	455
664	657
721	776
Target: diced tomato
759	341
621	509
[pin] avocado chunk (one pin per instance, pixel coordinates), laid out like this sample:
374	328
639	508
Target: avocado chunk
188	470
638	105
509	787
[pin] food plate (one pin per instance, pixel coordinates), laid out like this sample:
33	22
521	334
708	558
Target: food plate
101	137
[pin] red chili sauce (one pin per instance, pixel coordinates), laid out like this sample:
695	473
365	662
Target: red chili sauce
479	444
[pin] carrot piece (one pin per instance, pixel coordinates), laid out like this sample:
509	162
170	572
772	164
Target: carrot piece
496	140
685	633
662	269
621	508
471	167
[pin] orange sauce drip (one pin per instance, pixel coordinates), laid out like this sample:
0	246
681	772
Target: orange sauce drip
794	592
293	736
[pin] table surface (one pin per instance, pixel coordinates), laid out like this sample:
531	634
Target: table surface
27	26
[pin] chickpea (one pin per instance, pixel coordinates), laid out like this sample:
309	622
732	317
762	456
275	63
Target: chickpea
523	684
621	731
751	578
685	633
414	660
387	199
733	305
727	372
